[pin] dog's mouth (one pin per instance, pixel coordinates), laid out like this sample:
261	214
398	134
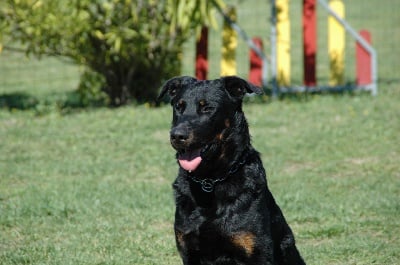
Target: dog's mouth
190	159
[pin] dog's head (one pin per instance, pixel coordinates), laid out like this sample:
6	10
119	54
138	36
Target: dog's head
203	111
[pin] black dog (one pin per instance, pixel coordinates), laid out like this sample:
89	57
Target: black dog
225	213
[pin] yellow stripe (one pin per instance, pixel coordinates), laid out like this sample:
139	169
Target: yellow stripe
283	42
336	44
229	45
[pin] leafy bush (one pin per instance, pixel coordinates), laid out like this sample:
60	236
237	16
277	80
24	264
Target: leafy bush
90	90
135	45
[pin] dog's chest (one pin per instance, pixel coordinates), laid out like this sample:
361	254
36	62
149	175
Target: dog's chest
219	236
210	234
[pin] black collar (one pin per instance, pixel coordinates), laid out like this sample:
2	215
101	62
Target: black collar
207	184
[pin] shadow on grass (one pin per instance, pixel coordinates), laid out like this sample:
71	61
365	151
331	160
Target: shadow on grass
62	102
18	100
74	101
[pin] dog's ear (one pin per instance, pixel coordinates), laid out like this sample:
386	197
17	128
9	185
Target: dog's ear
238	87
173	85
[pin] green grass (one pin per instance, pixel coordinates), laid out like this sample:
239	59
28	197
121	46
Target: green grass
38	77
90	188
94	187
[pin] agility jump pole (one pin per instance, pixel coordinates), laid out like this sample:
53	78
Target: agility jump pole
363	67
374	66
250	44
228	67
202	55
309	43
337	61
283	42
256	64
336	44
229	45
366	55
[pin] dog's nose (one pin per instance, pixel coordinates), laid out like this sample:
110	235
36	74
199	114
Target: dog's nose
179	135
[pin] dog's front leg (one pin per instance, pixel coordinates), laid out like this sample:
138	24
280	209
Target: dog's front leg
189	255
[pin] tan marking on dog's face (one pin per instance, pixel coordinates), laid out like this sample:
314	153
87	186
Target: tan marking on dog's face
227	123
202	102
220	136
245	241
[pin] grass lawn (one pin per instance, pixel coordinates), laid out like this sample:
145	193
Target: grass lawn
94	186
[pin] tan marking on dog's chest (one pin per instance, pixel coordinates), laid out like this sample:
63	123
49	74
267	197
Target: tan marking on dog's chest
245	241
180	240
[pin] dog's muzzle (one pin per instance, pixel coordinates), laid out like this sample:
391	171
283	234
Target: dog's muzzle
179	137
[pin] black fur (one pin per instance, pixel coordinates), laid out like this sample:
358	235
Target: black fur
225	213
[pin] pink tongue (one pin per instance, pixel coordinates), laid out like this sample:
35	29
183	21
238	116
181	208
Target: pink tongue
190	160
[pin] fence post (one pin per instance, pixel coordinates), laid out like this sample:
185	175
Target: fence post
229	44
256	65
309	43
283	42
336	44
202	55
364	62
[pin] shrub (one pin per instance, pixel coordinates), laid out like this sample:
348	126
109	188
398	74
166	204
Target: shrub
135	45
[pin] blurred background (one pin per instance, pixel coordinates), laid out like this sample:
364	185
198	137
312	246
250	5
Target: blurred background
54	76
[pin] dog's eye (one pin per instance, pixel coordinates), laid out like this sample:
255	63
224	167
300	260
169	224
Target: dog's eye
204	107
207	109
180	106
